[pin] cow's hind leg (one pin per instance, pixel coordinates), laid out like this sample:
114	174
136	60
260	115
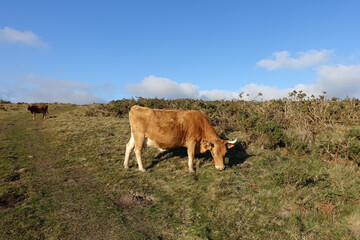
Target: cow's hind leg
34	116
129	148
139	145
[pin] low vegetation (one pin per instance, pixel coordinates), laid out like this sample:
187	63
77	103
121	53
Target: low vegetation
62	178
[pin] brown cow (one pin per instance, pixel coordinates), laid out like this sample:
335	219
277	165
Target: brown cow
166	129
38	109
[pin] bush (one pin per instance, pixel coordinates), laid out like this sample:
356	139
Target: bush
352	141
296	145
268	133
274	133
301	124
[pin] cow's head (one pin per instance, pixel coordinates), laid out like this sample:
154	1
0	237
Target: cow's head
27	107
218	150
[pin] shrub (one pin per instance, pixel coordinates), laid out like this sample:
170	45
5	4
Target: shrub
296	145
299	123
352	141
268	133
274	133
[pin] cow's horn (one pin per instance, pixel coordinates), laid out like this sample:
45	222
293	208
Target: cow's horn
232	142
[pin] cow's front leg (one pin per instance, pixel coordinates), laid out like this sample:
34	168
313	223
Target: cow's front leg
191	155
33	116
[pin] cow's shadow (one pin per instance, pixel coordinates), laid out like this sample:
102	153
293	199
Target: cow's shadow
167	154
236	155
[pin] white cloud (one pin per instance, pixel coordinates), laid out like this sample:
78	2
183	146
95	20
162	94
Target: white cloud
163	88
216	94
338	81
36	89
15	36
159	87
251	92
305	59
6	94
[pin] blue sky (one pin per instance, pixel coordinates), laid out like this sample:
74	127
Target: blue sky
97	51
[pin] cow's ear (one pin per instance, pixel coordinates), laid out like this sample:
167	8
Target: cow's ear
210	144
206	145
230	144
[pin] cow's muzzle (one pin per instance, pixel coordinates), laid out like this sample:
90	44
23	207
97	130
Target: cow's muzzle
220	167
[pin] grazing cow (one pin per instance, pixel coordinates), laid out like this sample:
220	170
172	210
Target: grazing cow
166	129
38	109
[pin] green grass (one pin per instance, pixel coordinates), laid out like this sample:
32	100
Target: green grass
63	178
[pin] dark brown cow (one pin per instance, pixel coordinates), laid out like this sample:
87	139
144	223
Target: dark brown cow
166	129
38	109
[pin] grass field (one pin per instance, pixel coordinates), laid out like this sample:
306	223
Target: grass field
63	178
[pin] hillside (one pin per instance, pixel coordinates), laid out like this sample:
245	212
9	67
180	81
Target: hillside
63	177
